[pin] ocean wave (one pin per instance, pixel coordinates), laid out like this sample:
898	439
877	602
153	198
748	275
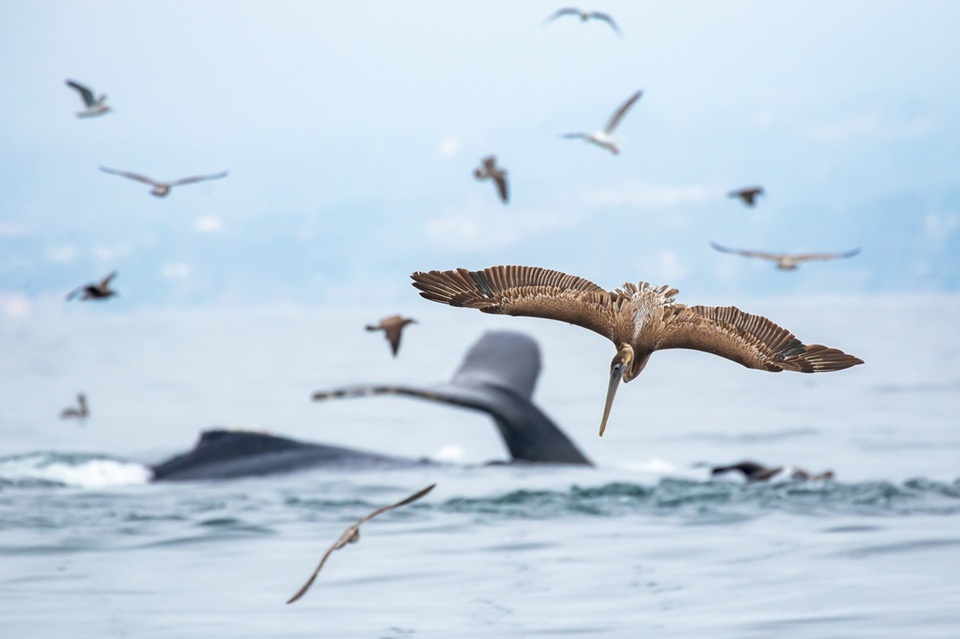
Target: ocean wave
70	470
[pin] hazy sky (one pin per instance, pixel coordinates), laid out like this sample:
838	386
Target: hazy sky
351	129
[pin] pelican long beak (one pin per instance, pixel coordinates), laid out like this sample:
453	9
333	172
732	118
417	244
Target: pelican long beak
615	376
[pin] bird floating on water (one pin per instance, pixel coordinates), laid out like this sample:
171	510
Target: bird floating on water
786	261
584	16
488	170
392	328
95	290
638	318
352	535
80	412
162	189
748	194
93	106
754	472
604	138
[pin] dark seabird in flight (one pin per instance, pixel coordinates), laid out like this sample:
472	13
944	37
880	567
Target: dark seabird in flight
94	291
748	194
392	328
488	170
584	16
80	412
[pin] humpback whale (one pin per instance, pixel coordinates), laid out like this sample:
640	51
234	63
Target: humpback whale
497	376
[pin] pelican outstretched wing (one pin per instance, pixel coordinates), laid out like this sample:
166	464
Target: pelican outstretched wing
525	290
618	115
751	340
352	534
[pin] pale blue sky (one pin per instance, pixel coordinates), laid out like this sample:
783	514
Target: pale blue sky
351	129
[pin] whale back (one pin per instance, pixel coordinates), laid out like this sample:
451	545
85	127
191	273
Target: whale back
504	359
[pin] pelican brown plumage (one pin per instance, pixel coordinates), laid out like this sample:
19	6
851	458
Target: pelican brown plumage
604	138
488	170
638	318
94	291
786	261
352	535
748	194
392	328
162	189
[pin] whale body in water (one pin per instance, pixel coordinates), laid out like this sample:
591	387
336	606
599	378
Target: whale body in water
497	376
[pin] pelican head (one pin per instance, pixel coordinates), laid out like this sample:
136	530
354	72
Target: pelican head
621	365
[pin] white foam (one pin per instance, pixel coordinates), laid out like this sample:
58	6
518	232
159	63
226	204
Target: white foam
72	470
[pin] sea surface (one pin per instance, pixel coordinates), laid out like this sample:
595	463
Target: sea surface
644	544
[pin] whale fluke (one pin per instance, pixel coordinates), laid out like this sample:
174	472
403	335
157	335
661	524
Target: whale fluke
498	377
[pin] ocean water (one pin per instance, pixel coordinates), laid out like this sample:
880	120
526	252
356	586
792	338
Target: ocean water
643	544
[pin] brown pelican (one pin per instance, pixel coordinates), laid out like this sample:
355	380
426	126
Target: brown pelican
392	328
93	106
99	291
748	194
352	535
81	412
584	16
162	189
489	170
638	318
603	138
786	261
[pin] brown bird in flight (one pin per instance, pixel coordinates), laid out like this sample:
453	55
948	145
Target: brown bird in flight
94	291
392	328
638	318
748	194
488	170
162	189
786	261
352	535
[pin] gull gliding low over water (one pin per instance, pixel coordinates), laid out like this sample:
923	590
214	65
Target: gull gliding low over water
352	535
93	106
488	170
786	261
162	189
94	291
604	138
639	319
584	16
392	328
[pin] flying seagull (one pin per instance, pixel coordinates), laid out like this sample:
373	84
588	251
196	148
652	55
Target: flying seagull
638	318
94	291
488	170
584	16
352	535
786	261
162	189
93	106
754	472
392	328
604	138
81	412
748	194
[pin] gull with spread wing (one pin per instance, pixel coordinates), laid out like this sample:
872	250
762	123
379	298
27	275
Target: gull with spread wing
604	138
